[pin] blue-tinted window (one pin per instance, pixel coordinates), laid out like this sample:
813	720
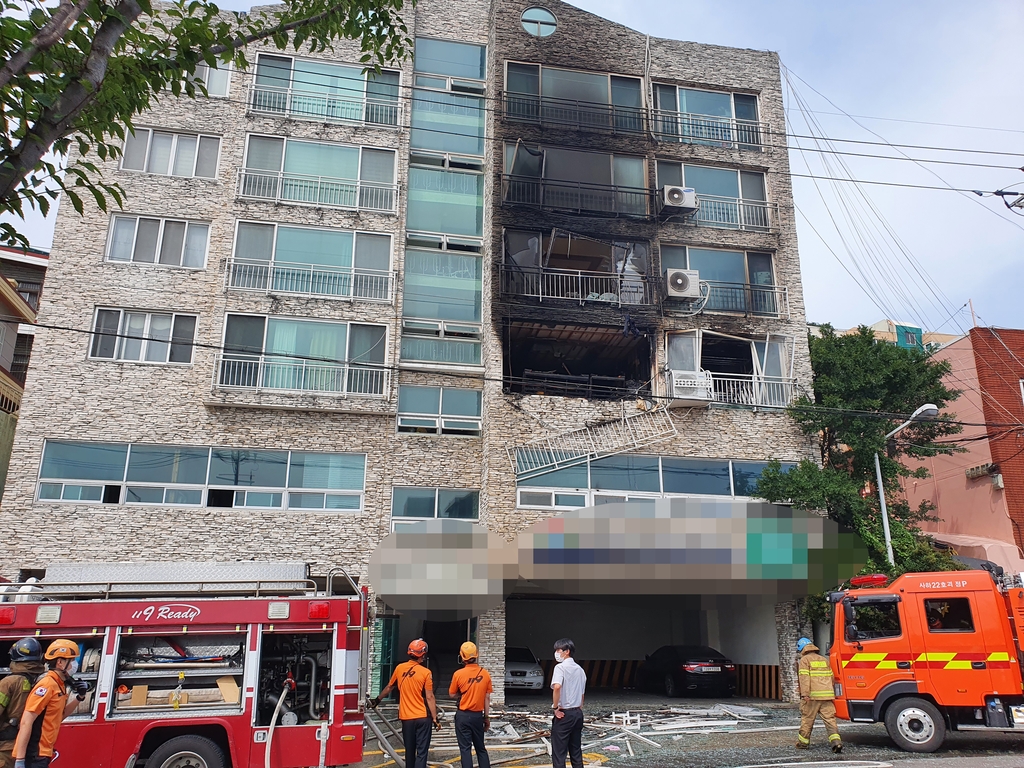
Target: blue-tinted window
334	471
83	461
570	477
625	473
444	57
745	475
236	466
697	476
447	122
168	464
445	201
413	502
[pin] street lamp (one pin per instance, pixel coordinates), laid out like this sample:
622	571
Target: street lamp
924	413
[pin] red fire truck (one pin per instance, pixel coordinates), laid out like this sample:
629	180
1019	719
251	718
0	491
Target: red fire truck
930	652
199	672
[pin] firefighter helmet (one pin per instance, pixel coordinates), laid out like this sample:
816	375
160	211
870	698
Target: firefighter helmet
26	649
418	648
802	643
62	649
468	652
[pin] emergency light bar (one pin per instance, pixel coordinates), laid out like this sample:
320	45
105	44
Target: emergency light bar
872	580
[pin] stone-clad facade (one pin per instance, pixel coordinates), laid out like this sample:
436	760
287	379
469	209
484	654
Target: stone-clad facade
75	397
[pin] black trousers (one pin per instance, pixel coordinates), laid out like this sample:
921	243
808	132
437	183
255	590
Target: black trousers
567	736
416	735
469	731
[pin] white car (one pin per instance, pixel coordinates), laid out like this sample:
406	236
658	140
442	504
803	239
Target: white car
522	670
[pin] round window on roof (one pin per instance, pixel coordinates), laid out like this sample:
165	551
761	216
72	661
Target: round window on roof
539	22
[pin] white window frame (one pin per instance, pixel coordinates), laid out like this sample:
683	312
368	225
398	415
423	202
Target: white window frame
399	520
331	62
347	323
440	417
175	136
277	225
284	150
203	76
159	242
442	242
121	336
746	258
472	164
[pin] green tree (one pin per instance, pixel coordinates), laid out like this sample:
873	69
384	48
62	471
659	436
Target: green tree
862	388
75	74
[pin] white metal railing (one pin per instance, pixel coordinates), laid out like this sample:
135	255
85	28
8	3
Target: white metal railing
325	107
747	389
311	280
769	300
735	213
578	445
576	196
690	128
316	190
575	114
576	285
239	371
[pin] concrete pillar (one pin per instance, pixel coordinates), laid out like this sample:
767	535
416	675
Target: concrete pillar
790	626
490	639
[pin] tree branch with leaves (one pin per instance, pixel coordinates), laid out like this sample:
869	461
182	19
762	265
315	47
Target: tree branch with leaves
76	75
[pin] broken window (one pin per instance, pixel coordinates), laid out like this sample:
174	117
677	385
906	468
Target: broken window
600	363
575	180
738	370
563	265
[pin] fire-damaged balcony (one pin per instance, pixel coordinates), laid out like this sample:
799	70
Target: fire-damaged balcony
594	362
566	267
706	367
575	181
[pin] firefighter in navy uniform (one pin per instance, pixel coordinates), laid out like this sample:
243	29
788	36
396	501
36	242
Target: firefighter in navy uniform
472	684
415	697
817	694
26	666
48	703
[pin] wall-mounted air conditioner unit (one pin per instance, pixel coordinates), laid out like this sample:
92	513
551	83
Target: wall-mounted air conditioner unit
682	283
676	200
690	388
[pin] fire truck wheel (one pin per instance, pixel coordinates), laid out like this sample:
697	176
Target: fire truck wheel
187	752
671	687
915	725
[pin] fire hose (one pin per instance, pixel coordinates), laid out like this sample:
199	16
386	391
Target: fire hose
289	685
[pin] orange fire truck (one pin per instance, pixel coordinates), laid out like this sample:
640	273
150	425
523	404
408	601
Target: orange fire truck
928	653
202	665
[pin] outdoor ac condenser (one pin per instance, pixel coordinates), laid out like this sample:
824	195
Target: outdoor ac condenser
682	283
676	200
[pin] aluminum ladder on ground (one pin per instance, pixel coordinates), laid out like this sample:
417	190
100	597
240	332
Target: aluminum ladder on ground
576	446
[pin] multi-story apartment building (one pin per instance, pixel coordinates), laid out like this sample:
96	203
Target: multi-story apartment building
337	303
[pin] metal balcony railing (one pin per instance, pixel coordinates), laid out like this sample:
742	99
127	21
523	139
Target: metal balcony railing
712	131
577	285
316	190
11	393
312	280
250	372
767	300
576	196
323	107
573	114
736	213
747	389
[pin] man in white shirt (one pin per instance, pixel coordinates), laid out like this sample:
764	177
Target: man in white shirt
568	684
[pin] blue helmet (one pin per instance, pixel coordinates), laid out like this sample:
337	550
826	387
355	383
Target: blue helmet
802	643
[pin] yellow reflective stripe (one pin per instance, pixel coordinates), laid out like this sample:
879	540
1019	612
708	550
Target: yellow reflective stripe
803	739
826	673
819	663
999	656
869	656
958	665
4	699
833	737
936	657
805	672
822	695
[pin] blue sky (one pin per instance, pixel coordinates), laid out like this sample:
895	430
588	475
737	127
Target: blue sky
933	62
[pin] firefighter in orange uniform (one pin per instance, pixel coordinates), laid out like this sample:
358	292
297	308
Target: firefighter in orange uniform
26	666
47	705
415	696
472	684
817	693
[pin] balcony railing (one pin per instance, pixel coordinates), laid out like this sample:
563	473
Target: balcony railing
736	213
697	387
323	107
576	196
712	131
11	393
316	190
312	280
576	285
300	376
576	115
767	300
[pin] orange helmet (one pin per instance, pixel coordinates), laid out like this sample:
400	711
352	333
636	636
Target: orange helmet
468	651
62	649
418	648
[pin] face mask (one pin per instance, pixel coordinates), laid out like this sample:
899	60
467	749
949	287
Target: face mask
73	667
559	657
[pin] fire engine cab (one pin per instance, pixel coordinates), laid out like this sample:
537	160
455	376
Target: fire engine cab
928	653
202	665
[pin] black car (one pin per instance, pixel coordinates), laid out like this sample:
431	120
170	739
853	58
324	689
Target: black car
682	669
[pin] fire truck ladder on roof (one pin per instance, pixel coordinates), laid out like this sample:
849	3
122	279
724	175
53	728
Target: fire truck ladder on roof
576	446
